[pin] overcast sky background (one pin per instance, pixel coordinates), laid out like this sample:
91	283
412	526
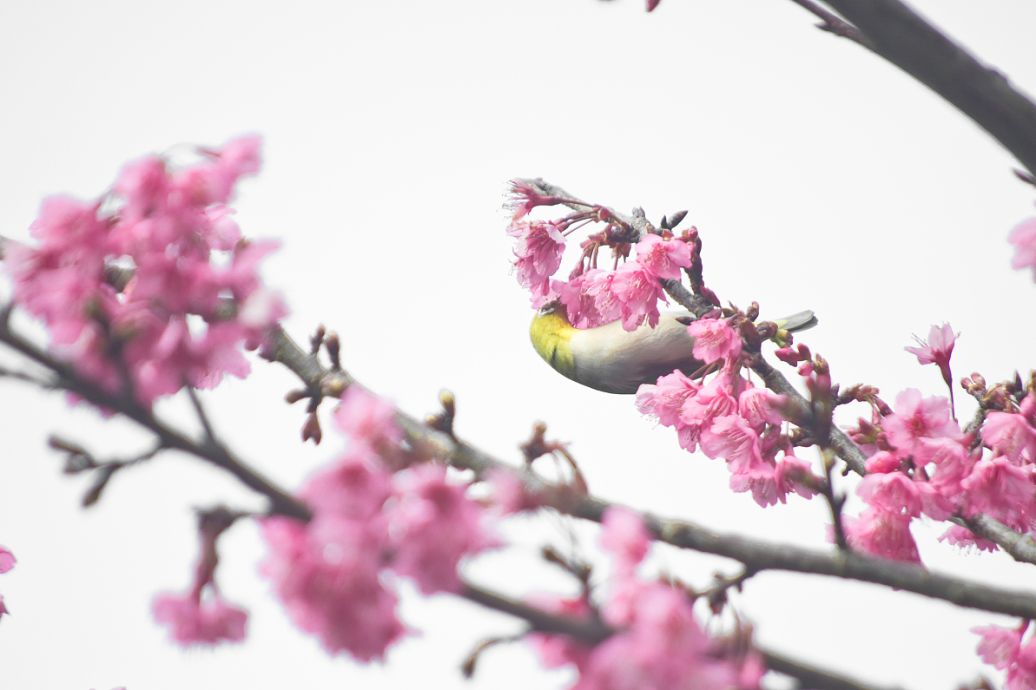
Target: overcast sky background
818	175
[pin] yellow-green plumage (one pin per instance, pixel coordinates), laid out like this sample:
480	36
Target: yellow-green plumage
609	358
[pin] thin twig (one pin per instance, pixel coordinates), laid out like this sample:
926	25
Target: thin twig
835	502
203	417
832	23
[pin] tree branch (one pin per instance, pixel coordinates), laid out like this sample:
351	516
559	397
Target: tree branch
281	502
593	632
756	555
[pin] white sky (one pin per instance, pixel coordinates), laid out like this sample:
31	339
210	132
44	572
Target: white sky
818	175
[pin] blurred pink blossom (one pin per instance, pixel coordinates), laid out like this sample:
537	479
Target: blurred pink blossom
1023	237
192	621
881	533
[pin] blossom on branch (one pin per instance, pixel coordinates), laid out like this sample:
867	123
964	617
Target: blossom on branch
657	641
538	250
937	349
377	514
194	621
715	340
1003	648
152	287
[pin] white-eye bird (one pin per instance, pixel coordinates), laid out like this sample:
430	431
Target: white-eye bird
611	359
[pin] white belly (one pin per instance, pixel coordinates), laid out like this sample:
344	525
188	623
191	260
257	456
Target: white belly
613	360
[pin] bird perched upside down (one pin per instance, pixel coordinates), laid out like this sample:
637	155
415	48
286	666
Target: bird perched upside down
611	359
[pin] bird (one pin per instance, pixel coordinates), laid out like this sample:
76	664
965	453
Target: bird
611	359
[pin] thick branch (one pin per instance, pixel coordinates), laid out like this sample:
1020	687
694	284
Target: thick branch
756	555
901	36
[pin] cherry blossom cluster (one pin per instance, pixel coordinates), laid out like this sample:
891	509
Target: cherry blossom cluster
657	641
7	562
593	296
194	298
922	463
378	513
726	417
730	418
1004	649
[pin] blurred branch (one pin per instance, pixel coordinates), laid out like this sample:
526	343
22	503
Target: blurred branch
594	631
895	32
68	379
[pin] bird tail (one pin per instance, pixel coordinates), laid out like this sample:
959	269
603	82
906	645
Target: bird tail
799	321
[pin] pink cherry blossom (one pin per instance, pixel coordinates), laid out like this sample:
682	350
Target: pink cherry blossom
509	493
760	406
538	250
207	622
714	340
625	537
713	400
937	349
1001	490
172	229
434	526
356	487
794	474
3	607
663	258
963	538
731	438
1010	435
557	651
665	399
7	560
1023	237
1004	649
326	573
916	419
946	462
893	492
366	418
638	292
589	299
883	534
524	198
883	461
662	647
